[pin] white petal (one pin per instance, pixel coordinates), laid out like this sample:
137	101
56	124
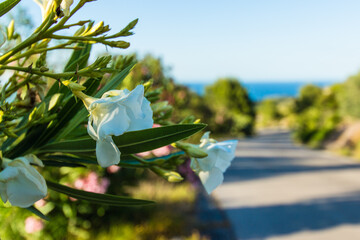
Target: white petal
113	93
90	129
31	158
27	187
107	153
22	192
205	137
211	179
225	154
31	174
146	121
205	140
207	163
8	173
114	122
194	165
3	194
65	5
134	101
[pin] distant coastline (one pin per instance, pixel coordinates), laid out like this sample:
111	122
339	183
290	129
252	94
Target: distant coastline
261	90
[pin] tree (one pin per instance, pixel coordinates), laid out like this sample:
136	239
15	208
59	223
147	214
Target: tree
234	111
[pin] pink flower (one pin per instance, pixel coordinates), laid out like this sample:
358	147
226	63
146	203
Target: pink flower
163	151
40	203
113	169
92	183
104	184
158	152
33	224
144	154
79	183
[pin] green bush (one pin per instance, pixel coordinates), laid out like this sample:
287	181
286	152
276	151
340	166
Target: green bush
318	114
233	110
349	97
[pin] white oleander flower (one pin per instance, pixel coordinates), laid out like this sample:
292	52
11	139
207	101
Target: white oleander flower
20	183
211	168
46	5
116	112
65	6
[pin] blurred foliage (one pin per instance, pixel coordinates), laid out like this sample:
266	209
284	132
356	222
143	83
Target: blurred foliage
317	114
276	112
313	115
233	110
172	216
349	97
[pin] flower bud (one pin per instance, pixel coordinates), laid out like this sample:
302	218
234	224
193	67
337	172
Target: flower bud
148	85
65	5
55	99
170	176
73	86
191	149
10	30
38	112
1	115
97	29
44	69
80	31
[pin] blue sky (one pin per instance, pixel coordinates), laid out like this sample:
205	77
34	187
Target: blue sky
282	40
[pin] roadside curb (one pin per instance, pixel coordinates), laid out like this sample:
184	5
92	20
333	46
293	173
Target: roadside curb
212	220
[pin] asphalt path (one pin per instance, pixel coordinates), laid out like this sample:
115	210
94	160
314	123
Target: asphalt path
277	190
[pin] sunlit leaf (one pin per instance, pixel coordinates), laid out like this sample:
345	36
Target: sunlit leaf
131	142
7	5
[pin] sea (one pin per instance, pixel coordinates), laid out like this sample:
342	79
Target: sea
259	91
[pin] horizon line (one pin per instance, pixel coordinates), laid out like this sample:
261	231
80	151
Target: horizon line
265	80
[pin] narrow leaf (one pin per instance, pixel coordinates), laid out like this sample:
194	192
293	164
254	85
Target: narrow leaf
115	81
38	213
69	159
105	199
51	163
7	5
152	138
77	61
131	142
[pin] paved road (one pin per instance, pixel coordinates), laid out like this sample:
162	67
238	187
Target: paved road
277	190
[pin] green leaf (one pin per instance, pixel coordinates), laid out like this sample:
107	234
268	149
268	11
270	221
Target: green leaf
152	138
105	199
7	5
69	159
67	113
115	81
51	163
27	143
38	213
131	142
55	99
128	160
78	60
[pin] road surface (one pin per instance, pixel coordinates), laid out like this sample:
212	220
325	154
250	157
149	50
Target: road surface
277	190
